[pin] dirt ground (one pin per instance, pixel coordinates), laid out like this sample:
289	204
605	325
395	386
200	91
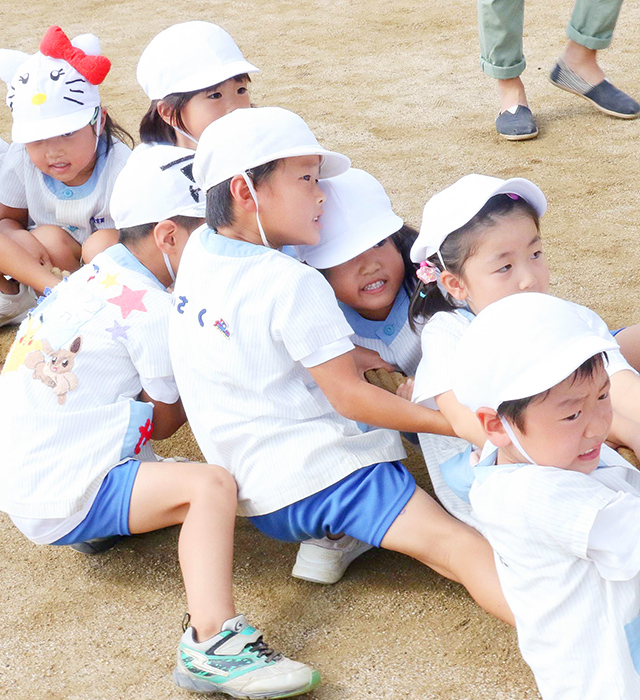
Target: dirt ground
397	87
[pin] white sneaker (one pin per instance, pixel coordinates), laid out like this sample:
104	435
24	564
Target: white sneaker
238	663
15	307
325	560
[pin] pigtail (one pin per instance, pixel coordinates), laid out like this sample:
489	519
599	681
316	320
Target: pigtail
154	129
428	297
114	132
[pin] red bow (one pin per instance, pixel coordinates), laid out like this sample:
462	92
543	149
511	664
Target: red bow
55	44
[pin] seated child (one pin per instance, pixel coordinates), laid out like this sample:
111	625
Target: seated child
480	241
364	255
58	174
193	73
262	357
89	381
560	508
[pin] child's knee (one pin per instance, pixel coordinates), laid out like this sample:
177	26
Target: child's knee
98	242
217	483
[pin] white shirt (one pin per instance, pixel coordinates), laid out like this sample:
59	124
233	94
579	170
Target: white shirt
445	456
78	210
567	551
246	322
72	377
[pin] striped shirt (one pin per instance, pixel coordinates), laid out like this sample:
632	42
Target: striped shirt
246	322
78	210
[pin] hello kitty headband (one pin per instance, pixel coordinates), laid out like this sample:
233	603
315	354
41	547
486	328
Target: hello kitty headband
54	91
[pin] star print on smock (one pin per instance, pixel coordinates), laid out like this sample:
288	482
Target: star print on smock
109	280
118	331
129	300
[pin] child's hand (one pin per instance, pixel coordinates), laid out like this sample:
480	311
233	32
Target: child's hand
405	390
366	359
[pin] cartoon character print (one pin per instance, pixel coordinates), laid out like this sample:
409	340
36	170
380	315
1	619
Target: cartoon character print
55	372
63	72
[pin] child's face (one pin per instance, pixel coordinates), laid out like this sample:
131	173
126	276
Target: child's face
509	259
211	104
69	158
370	282
291	202
566	429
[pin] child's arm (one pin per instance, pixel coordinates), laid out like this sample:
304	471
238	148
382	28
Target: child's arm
167	417
366	359
625	399
463	420
354	398
16	262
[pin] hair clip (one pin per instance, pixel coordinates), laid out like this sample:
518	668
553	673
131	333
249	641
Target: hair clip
423	295
427	272
511	195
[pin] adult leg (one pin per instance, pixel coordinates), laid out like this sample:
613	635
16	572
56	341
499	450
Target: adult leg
500	28
590	30
426	532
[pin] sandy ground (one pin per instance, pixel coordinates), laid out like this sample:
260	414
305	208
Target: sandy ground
397	87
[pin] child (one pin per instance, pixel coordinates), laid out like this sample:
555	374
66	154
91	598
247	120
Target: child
89	381
193	73
561	509
480	241
364	255
58	174
262	356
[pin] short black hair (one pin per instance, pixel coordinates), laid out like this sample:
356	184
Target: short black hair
154	129
219	199
514	411
135	234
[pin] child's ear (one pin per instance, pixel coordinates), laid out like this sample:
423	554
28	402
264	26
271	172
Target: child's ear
165	112
241	193
454	285
165	235
492	426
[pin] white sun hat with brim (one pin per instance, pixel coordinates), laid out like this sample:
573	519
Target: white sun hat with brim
47	95
521	346
189	56
357	215
456	205
247	138
155	184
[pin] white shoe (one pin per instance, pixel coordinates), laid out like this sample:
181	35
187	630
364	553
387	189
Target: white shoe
237	662
15	307
325	560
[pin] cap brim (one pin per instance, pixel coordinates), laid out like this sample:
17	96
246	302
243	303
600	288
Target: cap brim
207	77
24	131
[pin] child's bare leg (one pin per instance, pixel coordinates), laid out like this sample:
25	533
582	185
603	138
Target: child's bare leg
203	498
426	532
629	341
22	266
97	242
63	250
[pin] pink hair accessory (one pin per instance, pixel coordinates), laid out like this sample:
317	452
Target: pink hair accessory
427	272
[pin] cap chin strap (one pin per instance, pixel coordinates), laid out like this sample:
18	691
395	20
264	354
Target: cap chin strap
167	262
515	441
184	133
263	236
97	120
444	267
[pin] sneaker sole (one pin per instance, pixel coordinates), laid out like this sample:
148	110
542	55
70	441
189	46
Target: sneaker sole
314	573
618	115
187	682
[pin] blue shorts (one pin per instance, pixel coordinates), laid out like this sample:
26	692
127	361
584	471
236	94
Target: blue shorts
109	514
363	505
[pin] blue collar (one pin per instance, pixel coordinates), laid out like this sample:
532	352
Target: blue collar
66	193
386	330
125	258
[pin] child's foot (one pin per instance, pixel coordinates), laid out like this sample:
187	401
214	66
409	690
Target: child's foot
97	546
15	307
238	663
326	560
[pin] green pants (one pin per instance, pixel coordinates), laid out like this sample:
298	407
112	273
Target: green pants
500	25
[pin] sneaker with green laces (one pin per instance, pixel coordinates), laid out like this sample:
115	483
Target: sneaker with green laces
237	662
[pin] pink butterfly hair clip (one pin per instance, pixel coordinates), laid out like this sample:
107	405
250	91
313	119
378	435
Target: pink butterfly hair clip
427	272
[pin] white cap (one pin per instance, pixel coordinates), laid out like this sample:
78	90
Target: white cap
155	184
47	96
246	138
521	346
357	215
456	205
189	56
